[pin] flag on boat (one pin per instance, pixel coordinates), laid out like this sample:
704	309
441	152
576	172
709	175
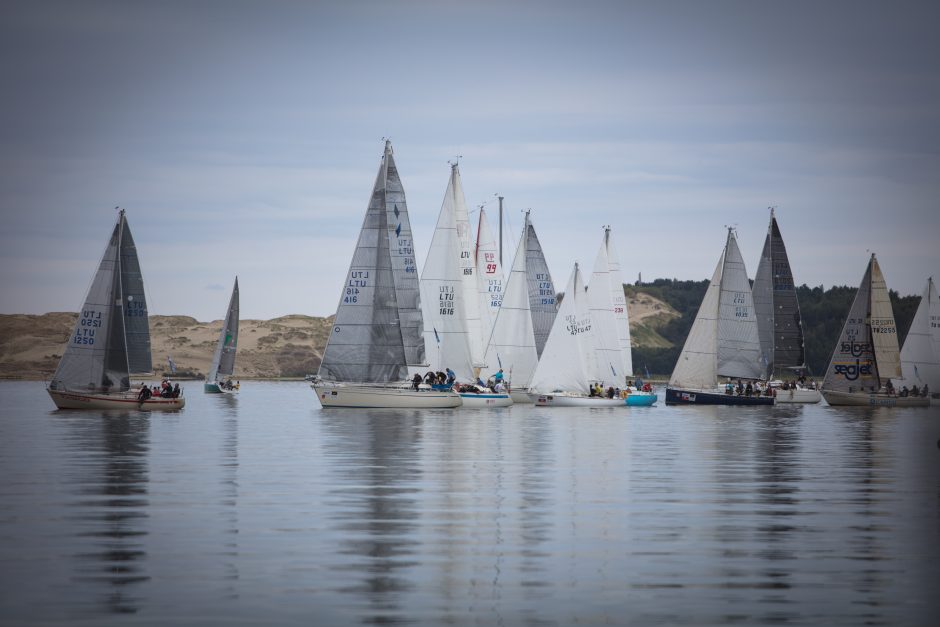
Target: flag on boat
169	360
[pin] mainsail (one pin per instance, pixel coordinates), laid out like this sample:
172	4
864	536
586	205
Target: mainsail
97	354
512	343
367	343
609	314
568	362
866	354
780	328
920	355
223	360
723	339
542	302
450	289
490	280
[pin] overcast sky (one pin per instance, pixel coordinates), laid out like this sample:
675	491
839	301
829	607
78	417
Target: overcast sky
243	137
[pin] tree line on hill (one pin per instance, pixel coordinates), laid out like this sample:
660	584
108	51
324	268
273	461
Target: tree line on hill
822	311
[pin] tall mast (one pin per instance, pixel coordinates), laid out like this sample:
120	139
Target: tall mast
500	231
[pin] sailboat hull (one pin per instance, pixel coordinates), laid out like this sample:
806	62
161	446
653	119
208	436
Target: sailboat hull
797	396
677	396
574	400
520	396
382	397
864	399
477	401
125	401
640	399
214	387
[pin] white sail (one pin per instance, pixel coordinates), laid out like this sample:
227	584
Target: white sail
619	300
607	341
490	280
609	314
511	345
223	360
450	290
884	331
568	362
852	367
920	355
739	352
697	366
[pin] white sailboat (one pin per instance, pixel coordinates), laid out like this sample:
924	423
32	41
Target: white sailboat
608	307
111	338
451	295
920	355
723	340
377	332
866	356
511	345
779	325
219	379
568	366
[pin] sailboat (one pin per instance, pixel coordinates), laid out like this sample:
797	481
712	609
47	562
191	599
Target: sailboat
111	338
920	355
779	326
511	345
608	307
866	356
377	332
451	294
568	366
723	340
223	360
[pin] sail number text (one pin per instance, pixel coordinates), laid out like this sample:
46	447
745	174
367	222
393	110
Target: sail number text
87	325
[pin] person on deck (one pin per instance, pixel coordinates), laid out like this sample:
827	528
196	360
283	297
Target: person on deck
416	381
451	377
498	377
144	393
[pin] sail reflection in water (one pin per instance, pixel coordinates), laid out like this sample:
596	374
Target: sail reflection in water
262	510
108	461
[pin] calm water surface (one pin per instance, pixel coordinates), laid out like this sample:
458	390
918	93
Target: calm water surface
265	509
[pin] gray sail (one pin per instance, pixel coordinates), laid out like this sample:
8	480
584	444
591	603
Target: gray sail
136	321
778	311
95	357
739	353
542	301
366	344
223	360
852	367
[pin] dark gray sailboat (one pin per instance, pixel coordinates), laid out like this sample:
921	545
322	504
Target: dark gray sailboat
111	338
779	326
377	332
223	360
